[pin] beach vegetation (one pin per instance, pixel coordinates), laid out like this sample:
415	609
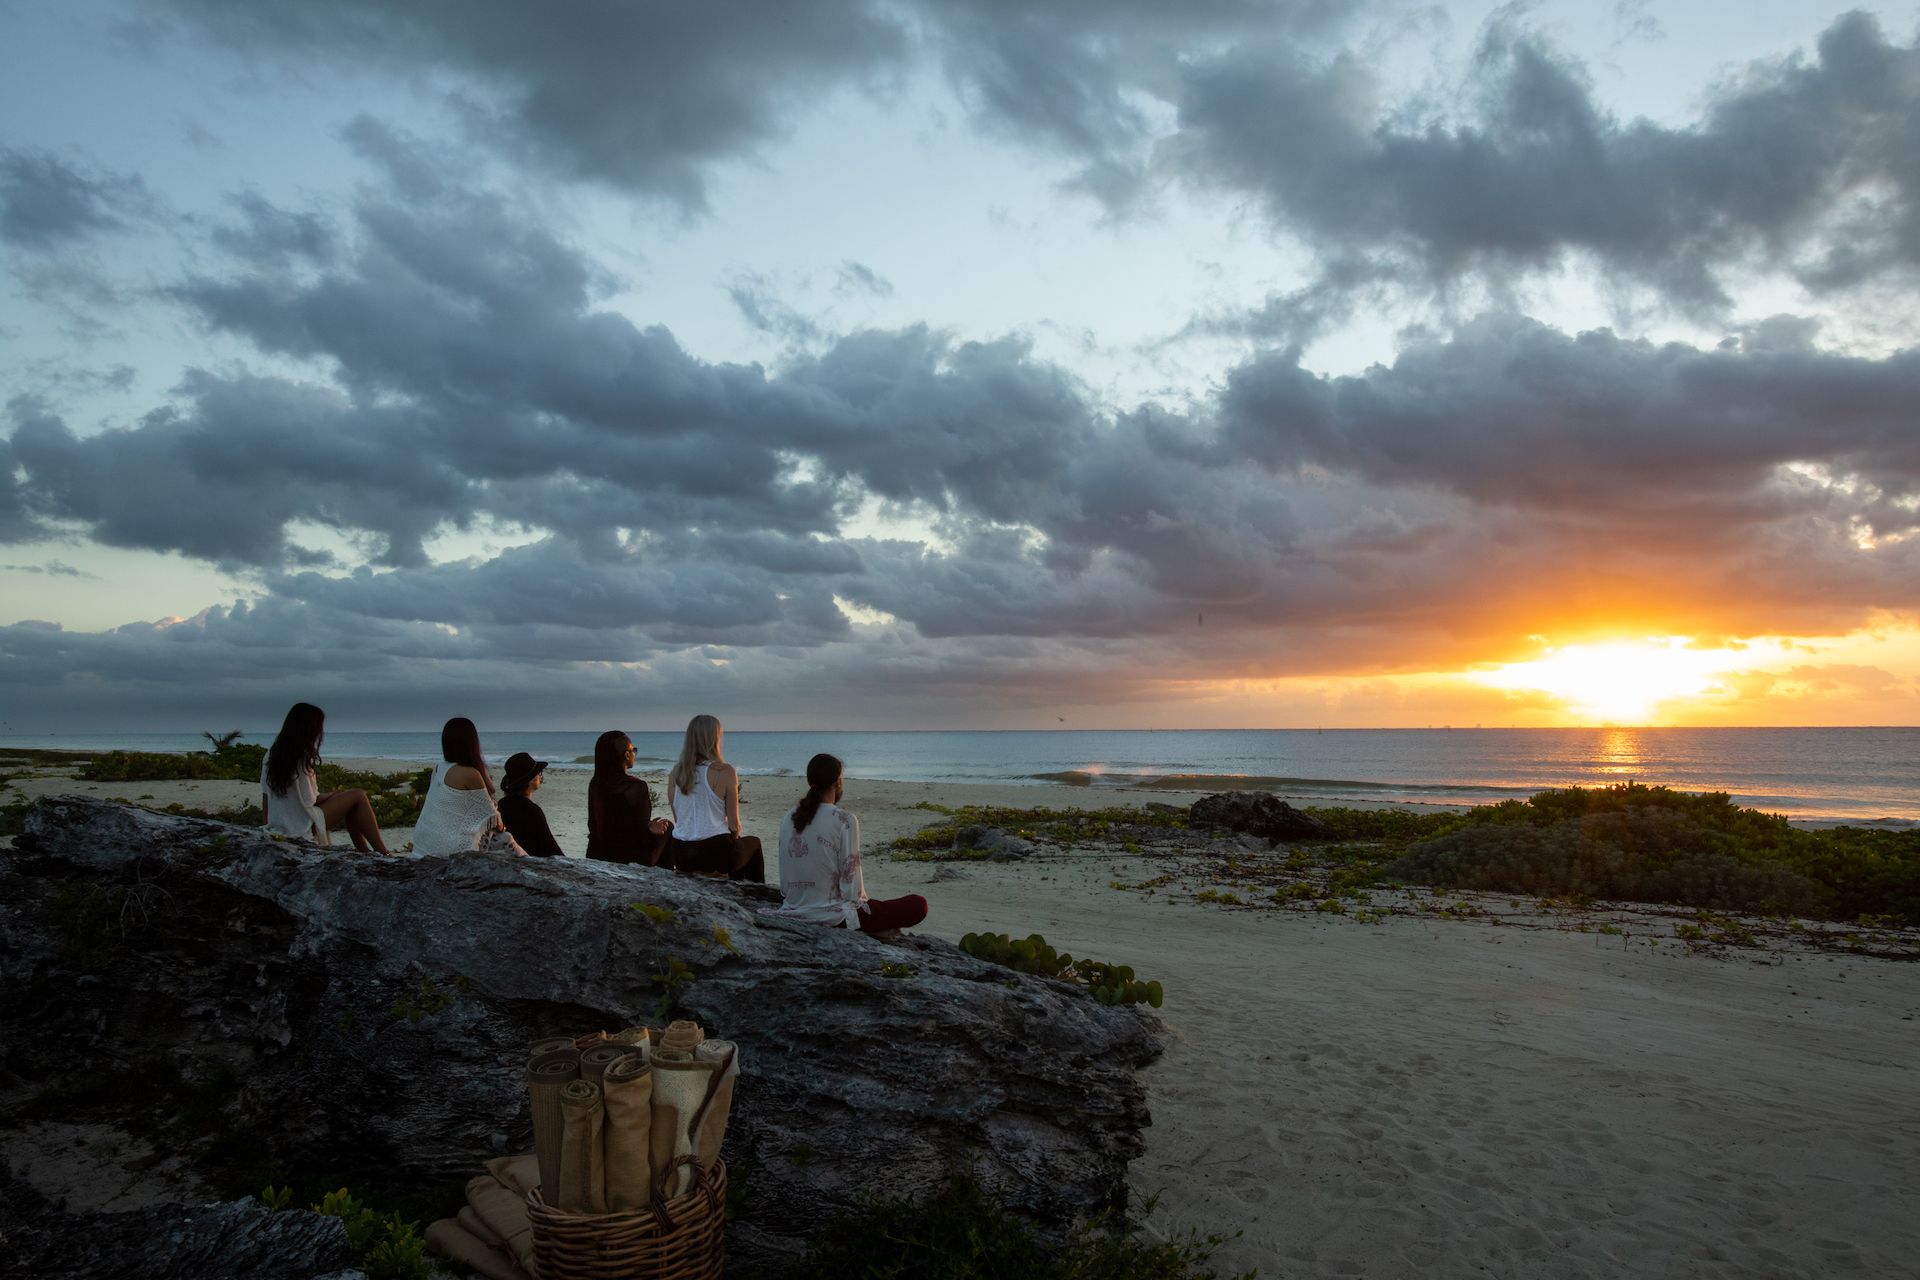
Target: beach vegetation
386	1246
1652	844
1224	897
419	1003
658	915
963	1234
1060	826
888	969
724	940
671	981
1108	983
13	816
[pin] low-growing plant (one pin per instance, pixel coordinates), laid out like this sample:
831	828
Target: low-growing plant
658	915
670	981
888	969
416	1005
386	1246
1110	984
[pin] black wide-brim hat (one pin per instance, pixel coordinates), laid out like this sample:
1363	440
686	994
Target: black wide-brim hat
521	769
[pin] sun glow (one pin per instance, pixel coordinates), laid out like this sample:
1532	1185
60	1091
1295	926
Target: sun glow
1619	682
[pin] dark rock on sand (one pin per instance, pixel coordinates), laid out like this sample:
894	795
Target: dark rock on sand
999	845
240	1238
1257	813
364	1021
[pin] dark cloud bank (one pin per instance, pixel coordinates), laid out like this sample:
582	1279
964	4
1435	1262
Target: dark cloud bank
692	522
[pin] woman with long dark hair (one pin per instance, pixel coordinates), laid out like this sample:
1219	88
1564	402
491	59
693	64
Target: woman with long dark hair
620	822
459	812
704	792
291	801
820	875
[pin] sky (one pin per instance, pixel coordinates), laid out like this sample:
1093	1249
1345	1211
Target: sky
958	363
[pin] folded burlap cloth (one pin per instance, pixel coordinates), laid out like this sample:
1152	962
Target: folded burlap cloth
452	1241
583	1184
492	1234
679	1040
627	1091
632	1035
547	1075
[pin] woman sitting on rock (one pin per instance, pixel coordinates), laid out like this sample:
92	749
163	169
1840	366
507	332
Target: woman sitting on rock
620	822
458	814
820	875
290	798
526	821
704	791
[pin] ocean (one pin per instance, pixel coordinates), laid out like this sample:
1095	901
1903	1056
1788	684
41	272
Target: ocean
1851	774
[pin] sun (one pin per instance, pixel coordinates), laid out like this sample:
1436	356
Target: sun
1618	682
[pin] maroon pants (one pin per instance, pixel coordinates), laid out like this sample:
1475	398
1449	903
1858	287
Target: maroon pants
878	915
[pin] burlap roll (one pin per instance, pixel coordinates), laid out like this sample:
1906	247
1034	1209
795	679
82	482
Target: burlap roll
679	1087
632	1035
627	1091
587	1041
595	1061
679	1041
503	1212
452	1241
540	1048
583	1187
709	1126
547	1075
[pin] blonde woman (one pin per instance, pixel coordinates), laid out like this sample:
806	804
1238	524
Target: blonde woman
704	793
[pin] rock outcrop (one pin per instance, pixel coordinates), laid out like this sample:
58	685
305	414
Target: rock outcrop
998	845
1257	813
364	1020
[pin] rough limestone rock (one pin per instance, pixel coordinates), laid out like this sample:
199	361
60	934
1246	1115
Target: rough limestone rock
1000	845
1257	813
369	1017
239	1238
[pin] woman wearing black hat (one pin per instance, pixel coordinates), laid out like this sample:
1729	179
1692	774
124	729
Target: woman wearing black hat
525	820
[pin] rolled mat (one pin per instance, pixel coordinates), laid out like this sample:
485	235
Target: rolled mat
628	1093
632	1035
504	1214
679	1040
518	1174
452	1241
478	1229
583	1184
540	1048
547	1075
587	1041
709	1127
679	1087
595	1061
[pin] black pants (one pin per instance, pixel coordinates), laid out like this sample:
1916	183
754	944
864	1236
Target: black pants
736	857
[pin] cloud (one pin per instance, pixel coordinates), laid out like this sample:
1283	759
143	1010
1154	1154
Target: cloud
52	568
641	97
1804	164
47	203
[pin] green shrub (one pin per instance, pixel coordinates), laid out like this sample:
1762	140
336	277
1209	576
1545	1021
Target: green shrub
387	1247
1652	844
1107	983
233	761
962	1235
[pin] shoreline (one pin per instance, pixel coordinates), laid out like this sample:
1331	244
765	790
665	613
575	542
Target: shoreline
1483	1084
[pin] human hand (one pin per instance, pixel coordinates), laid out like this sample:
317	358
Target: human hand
660	826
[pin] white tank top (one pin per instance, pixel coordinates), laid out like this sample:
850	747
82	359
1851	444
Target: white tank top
697	815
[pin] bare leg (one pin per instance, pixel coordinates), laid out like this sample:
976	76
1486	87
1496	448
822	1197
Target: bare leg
353	811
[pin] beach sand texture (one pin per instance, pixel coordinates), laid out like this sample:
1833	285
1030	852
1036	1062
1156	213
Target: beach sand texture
1447	1097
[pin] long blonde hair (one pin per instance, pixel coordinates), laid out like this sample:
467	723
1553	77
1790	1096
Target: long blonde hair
701	747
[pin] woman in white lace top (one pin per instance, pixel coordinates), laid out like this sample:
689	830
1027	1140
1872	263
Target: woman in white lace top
291	801
459	811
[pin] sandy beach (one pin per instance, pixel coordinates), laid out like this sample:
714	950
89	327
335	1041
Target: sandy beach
1501	1095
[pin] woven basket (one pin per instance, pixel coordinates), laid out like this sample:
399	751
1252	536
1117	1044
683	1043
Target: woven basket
680	1239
